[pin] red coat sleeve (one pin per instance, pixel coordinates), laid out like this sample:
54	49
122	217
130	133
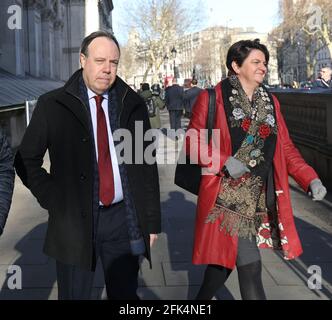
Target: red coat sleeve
210	156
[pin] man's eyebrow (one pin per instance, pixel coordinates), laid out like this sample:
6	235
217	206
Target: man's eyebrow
256	59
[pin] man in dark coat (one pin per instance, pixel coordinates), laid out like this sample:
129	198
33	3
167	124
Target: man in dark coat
190	97
174	104
98	207
7	176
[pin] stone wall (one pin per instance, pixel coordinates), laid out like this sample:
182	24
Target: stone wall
309	119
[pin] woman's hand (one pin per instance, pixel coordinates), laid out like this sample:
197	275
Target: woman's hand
318	191
236	168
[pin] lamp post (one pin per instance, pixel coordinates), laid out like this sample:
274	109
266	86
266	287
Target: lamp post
166	67
173	52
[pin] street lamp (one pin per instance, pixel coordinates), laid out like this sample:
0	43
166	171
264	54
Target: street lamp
166	60
165	67
174	52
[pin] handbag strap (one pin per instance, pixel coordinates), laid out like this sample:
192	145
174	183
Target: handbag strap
211	112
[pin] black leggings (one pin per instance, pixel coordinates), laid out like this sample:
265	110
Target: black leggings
250	281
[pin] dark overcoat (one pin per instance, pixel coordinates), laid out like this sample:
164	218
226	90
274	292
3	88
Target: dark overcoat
61	125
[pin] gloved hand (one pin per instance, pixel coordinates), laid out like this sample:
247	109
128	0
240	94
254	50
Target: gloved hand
235	168
318	191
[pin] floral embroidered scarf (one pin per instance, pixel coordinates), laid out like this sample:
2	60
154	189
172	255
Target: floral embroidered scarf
241	203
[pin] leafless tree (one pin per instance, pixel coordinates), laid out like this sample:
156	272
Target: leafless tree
127	63
158	24
310	21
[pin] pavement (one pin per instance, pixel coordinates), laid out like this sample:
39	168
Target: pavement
172	277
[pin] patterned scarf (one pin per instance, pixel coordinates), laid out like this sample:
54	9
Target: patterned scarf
241	203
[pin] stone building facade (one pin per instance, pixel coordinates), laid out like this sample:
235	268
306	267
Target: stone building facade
201	53
41	38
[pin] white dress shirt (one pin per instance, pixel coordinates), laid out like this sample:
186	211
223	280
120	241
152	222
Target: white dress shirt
118	192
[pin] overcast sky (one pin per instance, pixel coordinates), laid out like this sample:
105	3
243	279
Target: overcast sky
260	14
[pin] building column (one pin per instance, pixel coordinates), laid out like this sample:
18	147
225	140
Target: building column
91	16
47	15
59	39
34	37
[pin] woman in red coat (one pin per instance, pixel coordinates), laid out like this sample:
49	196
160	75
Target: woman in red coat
244	197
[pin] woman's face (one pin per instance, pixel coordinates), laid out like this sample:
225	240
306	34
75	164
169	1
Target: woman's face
253	69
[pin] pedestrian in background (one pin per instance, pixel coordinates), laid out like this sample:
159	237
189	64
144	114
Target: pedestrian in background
325	78
174	104
160	104
244	202
153	102
97	207
190	97
7	177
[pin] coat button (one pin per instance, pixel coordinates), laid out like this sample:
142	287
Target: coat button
83	213
84	139
82	177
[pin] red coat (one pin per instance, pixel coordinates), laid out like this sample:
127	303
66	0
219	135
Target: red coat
212	246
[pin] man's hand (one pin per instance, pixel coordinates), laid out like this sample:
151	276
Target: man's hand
153	238
318	191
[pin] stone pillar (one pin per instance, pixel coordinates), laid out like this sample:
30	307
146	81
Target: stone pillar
58	39
47	17
91	16
34	37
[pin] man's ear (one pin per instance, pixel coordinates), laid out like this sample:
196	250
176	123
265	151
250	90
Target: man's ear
82	60
235	67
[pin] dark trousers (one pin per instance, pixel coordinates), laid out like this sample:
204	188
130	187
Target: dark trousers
175	119
119	265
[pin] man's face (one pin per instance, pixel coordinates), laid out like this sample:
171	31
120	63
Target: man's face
100	64
325	73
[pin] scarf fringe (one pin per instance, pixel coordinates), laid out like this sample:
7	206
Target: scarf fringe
234	224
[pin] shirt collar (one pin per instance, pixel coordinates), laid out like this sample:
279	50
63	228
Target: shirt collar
91	94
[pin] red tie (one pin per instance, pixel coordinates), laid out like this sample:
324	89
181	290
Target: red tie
106	183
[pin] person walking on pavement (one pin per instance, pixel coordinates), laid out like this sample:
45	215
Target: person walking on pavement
174	104
97	206
154	103
190	97
7	177
244	200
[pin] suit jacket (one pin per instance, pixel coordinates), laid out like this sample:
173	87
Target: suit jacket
61	125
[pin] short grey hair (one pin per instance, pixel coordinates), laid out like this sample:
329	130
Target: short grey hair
97	34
